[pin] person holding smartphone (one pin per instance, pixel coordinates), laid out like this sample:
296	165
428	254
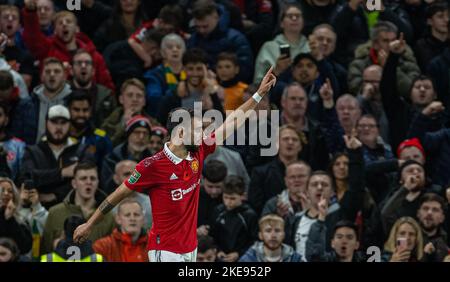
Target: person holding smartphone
31	209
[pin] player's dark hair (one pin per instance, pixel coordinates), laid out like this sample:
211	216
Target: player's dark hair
195	56
171	124
85	165
215	171
234	185
205	243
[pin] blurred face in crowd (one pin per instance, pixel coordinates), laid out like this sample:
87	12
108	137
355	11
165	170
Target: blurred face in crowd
5	254
123	171
305	72
138	140
430	215
422	93
439	22
83	69
57	130
383	40
226	70
80	113
85	183
152	48
45	11
289	143
132	98
7	193
232	201
129	6
372	75
66	27
156	143
3	119
214	190
416	172
348	111
407	231
296	179
292	22
173	51
412	153
130	218
10	22
53	77
367	130
295	103
326	39
340	168
209	255
272	234
207	24
345	243
319	185
195	73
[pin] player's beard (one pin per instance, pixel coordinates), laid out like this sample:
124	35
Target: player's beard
192	148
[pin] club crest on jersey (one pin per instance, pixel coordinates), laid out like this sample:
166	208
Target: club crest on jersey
194	166
134	177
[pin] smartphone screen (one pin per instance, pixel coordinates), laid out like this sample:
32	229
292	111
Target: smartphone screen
285	50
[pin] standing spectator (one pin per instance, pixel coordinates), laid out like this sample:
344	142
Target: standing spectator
375	51
128	242
271	248
269	54
11	225
235	223
214	38
83	129
29	121
52	161
102	99
65	40
81	201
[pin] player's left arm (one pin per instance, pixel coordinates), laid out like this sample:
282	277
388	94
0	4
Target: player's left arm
241	114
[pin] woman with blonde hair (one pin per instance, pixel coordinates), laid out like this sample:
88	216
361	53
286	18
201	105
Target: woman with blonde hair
11	226
405	242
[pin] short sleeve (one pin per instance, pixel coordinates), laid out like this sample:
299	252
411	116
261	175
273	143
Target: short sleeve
209	144
139	180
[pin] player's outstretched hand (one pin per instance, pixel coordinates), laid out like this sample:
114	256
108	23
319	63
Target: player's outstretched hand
267	83
81	233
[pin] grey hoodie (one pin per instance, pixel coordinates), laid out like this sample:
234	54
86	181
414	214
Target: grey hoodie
45	103
256	254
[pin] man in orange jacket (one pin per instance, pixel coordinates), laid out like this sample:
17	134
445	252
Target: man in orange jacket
128	243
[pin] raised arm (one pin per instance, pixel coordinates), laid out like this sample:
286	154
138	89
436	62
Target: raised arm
241	113
83	231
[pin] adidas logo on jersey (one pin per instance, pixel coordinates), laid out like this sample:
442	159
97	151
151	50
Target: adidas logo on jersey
173	176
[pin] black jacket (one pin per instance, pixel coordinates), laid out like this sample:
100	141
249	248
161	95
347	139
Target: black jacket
234	230
206	207
439	70
16	231
439	241
428	48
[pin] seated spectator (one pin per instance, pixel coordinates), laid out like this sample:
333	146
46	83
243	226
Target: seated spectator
214	38
292	200
374	147
62	253
128	242
199	86
164	78
157	138
405	242
227	69
344	244
206	249
124	19
33	213
213	178
82	128
375	52
235	223
134	148
83	75
355	25
271	247
267	180
11	225
65	40
431	216
435	40
132	101
29	121
12	148
82	201
9	252
52	161
269	55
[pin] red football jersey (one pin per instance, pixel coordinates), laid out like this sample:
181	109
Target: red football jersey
173	185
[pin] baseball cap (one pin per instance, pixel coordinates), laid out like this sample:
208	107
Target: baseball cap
58	111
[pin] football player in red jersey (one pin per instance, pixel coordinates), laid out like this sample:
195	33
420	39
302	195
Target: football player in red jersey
171	178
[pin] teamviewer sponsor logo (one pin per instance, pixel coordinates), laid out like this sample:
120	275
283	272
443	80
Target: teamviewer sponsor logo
177	194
